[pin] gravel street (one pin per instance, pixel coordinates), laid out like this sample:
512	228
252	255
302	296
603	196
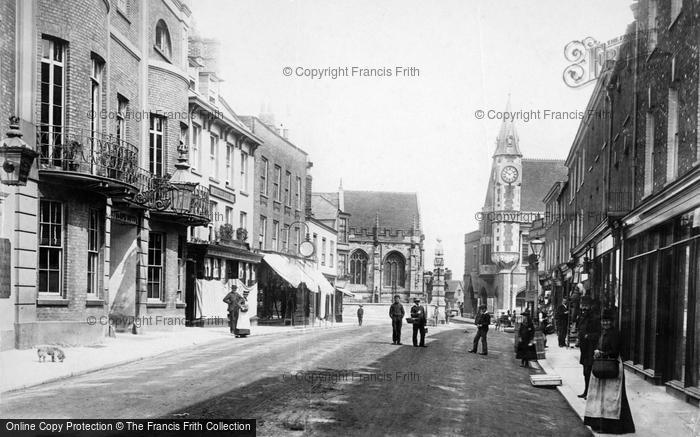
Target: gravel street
327	382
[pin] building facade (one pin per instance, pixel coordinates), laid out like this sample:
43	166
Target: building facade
513	200
385	245
222	159
98	231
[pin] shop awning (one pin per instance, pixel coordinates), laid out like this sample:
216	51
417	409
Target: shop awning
286	268
345	292
295	272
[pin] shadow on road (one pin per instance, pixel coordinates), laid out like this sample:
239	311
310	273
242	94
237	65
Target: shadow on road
401	390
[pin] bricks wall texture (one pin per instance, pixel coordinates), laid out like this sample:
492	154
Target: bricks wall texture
7	63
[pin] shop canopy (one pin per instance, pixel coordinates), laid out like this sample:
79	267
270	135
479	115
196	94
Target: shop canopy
296	272
345	292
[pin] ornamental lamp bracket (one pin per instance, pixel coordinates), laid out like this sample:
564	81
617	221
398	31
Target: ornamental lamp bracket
16	156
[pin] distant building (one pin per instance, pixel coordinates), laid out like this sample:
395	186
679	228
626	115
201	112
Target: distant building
514	196
385	245
472	259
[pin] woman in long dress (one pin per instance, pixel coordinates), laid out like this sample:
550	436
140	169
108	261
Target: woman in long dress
526	348
607	408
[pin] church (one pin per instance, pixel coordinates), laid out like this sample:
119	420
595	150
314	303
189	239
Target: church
514	198
385	254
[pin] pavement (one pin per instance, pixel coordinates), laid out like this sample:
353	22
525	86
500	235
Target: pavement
655	412
21	368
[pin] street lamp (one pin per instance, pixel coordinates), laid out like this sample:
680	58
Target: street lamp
536	247
18	156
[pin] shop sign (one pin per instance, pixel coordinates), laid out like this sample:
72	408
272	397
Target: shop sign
123	218
604	245
222	194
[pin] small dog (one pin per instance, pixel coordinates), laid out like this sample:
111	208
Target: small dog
55	352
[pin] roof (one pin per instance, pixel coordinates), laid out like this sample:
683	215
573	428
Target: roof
324	206
538	177
454	284
256	125
395	210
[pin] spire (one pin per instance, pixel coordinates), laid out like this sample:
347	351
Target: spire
341	196
507	140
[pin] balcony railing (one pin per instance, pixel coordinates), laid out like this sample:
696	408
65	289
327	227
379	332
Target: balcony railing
82	151
188	205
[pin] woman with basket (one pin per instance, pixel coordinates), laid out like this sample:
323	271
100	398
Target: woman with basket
607	408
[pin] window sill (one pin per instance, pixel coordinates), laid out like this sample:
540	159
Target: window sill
243	193
277	202
216	181
123	15
264	196
52	301
180	305
94	303
195	172
154	304
160	52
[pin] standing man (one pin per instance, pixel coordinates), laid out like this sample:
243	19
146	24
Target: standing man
420	319
588	333
360	313
561	316
396	312
235	301
482	322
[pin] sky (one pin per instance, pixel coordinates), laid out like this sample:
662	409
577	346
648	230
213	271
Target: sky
416	130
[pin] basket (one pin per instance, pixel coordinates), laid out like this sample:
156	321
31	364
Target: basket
605	368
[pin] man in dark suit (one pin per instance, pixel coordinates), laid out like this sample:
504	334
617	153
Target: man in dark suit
396	312
360	313
234	301
561	316
482	322
419	321
588	333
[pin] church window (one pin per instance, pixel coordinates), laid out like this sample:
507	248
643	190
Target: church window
394	270
358	267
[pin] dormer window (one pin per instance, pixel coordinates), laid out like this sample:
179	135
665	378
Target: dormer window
163	39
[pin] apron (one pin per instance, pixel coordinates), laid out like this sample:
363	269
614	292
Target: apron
605	396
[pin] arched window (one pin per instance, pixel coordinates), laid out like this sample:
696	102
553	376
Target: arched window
394	270
163	39
358	267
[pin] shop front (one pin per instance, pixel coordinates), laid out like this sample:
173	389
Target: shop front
661	303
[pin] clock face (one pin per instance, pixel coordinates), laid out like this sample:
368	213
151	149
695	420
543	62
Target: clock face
509	174
306	249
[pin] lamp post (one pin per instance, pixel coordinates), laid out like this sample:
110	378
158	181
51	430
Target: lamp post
536	247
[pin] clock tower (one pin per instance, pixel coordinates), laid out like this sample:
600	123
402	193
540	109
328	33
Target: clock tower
506	181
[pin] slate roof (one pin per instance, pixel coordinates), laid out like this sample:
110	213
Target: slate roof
538	177
396	210
322	207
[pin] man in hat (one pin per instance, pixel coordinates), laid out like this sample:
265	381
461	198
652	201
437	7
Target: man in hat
360	313
419	321
562	320
235	301
588	333
482	322
396	312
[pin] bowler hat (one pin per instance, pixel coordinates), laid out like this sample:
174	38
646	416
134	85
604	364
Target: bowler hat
415	299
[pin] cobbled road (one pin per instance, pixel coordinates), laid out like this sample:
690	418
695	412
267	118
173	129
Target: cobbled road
349	381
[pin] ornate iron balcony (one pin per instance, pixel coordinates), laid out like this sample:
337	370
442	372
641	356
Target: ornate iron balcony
81	152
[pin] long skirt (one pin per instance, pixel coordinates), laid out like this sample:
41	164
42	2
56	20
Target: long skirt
607	398
526	352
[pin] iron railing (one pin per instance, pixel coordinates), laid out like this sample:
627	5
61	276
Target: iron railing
72	149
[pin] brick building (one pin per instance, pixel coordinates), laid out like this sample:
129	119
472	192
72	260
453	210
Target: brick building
471	270
97	233
629	213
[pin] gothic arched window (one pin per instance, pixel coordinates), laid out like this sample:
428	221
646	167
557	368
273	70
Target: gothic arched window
358	267
394	270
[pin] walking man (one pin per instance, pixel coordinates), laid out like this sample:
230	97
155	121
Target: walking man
234	301
396	312
482	322
588	333
419	321
561	316
360	313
